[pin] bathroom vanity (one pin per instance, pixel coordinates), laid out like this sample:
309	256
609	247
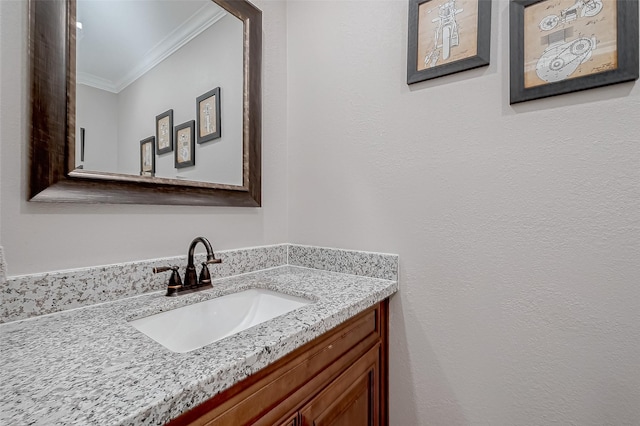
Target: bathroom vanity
322	363
339	378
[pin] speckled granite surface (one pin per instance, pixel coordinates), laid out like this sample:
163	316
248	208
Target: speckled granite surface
90	367
3	267
367	264
28	296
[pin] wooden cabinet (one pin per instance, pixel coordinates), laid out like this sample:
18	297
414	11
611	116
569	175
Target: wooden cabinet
291	421
350	400
340	378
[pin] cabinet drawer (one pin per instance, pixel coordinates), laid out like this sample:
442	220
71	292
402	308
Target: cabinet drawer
292	420
351	399
281	387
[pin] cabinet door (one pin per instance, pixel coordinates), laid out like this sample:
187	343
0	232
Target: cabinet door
291	421
350	400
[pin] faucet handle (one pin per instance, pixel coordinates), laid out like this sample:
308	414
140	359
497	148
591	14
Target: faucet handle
205	277
174	281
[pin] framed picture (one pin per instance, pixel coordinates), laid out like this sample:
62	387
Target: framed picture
82	133
185	153
164	132
208	114
447	36
148	156
562	46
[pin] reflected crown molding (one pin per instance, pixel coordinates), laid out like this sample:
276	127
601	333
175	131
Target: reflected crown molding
205	17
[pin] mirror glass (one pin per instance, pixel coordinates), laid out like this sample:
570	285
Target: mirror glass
141	68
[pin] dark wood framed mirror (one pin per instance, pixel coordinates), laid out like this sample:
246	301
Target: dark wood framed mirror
54	174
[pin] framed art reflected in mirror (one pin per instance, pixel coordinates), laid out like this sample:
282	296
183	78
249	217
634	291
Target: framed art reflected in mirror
164	133
208	113
185	154
148	156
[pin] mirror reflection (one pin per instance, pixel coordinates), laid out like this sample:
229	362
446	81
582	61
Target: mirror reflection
159	89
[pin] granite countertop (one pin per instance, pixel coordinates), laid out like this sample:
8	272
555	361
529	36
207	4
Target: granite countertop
89	366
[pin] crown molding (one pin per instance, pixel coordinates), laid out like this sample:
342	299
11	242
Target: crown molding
95	81
202	19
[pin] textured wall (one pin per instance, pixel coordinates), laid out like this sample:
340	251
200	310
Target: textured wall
100	120
518	228
46	237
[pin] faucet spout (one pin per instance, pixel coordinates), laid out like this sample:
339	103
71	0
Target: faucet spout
190	277
192	248
191	282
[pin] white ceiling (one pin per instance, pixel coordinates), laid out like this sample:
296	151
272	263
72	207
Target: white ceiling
121	40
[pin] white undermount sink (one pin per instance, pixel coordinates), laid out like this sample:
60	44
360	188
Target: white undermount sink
194	326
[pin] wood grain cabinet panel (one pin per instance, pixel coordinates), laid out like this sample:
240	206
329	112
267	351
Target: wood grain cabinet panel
339	378
351	399
291	421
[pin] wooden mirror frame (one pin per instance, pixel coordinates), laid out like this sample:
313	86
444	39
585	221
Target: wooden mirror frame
53	174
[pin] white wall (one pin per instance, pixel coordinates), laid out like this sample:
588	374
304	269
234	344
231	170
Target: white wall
97	113
3	271
518	228
42	237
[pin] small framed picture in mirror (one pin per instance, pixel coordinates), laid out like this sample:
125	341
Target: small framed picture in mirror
82	134
208	113
185	154
148	156
164	132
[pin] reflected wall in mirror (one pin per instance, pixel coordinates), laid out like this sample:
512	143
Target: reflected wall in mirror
96	66
136	59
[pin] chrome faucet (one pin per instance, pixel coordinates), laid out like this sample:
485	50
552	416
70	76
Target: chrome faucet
191	283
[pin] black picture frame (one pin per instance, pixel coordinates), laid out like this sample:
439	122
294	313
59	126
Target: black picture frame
415	72
82	133
204	117
185	130
627	52
164	132
148	152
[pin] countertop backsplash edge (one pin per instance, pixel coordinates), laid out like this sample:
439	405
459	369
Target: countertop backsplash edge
28	296
353	262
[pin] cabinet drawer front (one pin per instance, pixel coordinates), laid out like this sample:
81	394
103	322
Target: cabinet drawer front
351	399
278	389
291	421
